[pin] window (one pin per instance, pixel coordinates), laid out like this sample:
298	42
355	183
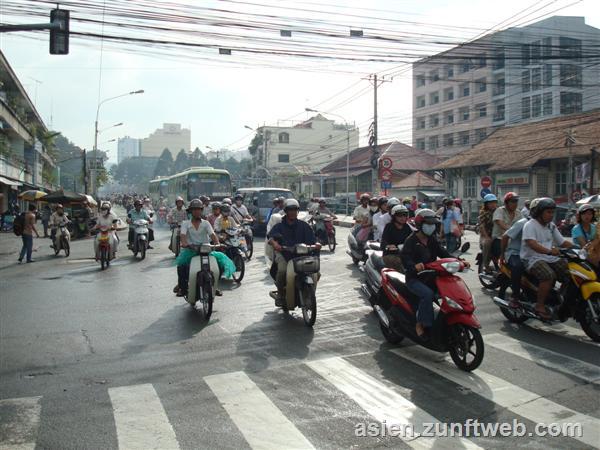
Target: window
536	106
542	184
561	179
448	94
463	137
420	80
434	121
433	142
570	48
434	98
547	47
449	72
449	140
481	109
498	61
449	117
525	108
465	66
547	75
499	110
480	134
499	86
471	186
284	138
536	52
525	84
536	79
525	52
434	76
547	104
570	75
283	158
420	144
480	85
481	61
420	101
570	102
464	90
463	113
420	123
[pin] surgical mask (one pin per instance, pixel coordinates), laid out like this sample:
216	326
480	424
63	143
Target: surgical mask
373	208
428	229
60	213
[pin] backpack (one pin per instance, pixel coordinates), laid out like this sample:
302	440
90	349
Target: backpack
19	224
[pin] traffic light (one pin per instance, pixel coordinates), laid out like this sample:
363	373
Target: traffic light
59	38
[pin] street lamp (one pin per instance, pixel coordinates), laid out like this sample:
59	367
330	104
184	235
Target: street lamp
347	155
139	91
112	126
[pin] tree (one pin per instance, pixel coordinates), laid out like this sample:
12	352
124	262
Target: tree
197	159
164	166
182	162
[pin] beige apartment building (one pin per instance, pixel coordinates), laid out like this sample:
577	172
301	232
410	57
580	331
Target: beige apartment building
170	136
519	75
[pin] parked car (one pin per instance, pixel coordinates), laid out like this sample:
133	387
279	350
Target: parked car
259	202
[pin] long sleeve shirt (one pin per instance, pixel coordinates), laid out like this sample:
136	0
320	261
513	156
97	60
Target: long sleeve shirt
414	252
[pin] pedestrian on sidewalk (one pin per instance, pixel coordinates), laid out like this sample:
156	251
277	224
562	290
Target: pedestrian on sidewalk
27	236
46	213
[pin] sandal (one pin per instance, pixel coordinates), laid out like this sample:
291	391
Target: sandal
543	314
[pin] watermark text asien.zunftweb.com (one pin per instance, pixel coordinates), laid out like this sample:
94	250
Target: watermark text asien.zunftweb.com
470	428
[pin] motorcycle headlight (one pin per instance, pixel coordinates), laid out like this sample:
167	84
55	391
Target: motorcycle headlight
302	249
451	267
582	254
205	248
452	303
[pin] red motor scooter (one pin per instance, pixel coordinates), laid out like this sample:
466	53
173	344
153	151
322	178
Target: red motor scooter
455	328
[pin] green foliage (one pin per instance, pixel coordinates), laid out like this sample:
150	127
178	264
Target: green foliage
182	162
255	144
164	166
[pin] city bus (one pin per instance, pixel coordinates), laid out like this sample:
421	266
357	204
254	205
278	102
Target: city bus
197	181
158	188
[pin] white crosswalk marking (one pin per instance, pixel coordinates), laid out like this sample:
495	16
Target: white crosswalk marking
561	329
263	425
547	358
21	419
383	403
140	419
520	401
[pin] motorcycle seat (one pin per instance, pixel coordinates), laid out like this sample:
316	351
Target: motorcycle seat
377	259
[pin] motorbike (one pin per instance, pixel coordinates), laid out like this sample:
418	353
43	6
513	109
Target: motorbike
162	216
358	251
62	240
488	280
324	230
203	273
579	298
234	242
175	246
249	238
455	327
140	238
301	284
104	245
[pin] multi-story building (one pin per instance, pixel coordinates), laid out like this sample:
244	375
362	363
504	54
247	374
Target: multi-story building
518	75
307	146
170	136
24	160
127	147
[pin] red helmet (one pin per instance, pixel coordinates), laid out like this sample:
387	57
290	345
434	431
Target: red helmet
510	196
457	201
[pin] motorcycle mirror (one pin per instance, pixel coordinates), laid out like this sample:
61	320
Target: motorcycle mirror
151	214
115	221
465	247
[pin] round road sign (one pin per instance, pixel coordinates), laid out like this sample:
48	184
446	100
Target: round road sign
386	175
386	162
486	182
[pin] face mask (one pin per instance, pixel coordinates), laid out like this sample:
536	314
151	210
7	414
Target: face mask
373	208
428	229
60	213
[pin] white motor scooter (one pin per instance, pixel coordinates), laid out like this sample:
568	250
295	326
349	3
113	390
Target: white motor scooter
62	240
204	279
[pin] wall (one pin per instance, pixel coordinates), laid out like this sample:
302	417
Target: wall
170	136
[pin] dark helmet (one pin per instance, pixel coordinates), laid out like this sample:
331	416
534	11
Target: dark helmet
216	205
539	205
195	204
204	199
137	202
225	208
238	197
425	215
382	200
585	208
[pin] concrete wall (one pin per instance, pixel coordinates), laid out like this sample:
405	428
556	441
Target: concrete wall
170	136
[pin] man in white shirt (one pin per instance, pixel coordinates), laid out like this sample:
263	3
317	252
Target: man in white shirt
106	219
239	210
378	222
540	253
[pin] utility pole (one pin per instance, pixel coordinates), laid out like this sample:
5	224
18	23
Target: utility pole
592	169
569	144
85	172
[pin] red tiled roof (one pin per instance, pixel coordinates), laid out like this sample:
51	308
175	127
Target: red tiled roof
418	179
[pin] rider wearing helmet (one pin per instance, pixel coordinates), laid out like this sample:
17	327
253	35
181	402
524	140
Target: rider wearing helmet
362	211
394	235
540	252
525	210
178	214
137	213
504	218
486	225
215	214
585	231
378	225
421	248
452	223
288	233
226	220
227	201
239	210
57	219
150	210
106	218
195	231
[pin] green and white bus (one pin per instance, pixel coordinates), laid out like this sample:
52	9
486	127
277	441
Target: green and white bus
197	181
159	187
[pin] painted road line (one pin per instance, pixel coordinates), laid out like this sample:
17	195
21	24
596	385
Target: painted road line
560	329
547	358
518	400
383	403
140	419
20	423
262	424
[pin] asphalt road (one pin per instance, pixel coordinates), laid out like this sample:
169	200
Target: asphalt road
100	360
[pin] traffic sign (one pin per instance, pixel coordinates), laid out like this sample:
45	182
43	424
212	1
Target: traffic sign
386	184
385	174
576	196
484	192
386	162
486	182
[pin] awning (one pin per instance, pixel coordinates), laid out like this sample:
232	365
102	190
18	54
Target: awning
432	193
10	182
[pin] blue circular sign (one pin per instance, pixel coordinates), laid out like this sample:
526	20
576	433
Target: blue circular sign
484	192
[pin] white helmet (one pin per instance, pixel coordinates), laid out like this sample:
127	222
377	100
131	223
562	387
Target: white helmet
291	203
392	201
106	205
399	209
179	199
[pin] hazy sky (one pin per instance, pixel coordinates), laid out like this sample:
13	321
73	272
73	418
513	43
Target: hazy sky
217	100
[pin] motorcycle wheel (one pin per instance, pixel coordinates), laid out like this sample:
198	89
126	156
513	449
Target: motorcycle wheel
488	284
467	342
391	336
240	266
591	328
331	243
103	259
56	250
308	300
250	250
142	250
513	316
204	296
67	248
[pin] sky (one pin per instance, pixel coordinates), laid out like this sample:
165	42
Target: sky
216	100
